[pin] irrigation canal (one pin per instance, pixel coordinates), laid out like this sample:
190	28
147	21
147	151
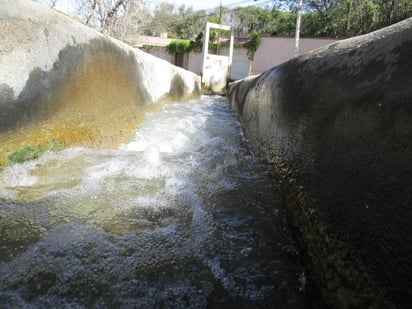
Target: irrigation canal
181	217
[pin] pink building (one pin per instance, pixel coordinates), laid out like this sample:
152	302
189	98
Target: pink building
272	51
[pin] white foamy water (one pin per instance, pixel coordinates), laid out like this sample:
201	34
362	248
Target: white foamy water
180	217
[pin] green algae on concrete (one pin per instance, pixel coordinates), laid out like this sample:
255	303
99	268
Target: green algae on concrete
61	80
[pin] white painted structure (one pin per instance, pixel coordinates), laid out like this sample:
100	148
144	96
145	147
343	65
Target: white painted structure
271	52
216	69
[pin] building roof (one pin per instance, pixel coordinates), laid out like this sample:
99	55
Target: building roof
237	41
143	40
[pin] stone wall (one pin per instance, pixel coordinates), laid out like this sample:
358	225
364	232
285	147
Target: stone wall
336	124
62	81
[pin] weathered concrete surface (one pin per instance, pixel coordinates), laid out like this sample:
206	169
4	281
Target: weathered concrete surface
336	124
60	80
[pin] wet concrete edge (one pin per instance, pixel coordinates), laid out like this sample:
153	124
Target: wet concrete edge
335	124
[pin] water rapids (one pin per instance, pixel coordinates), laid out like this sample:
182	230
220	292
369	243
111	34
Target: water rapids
181	217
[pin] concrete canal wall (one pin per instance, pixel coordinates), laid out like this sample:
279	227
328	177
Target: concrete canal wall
61	81
336	123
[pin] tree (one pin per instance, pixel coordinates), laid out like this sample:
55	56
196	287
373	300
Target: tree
131	23
163	18
101	14
252	19
346	18
125	19
190	26
118	18
284	23
252	46
265	21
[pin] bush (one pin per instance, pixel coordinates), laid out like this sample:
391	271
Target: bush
179	46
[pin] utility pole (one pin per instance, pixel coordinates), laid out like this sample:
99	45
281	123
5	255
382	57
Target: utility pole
220	12
218	32
297	33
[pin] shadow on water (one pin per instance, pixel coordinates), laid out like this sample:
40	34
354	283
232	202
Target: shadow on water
181	217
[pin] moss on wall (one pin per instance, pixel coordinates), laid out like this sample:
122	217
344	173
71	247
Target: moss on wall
94	96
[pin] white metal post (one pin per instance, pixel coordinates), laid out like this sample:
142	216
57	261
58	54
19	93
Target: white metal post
232	39
205	46
297	33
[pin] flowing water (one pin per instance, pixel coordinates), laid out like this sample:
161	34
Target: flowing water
181	217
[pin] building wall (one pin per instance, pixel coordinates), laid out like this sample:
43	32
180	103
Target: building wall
195	63
161	53
273	51
240	64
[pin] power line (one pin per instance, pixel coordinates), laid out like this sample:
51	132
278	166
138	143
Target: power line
256	4
236	4
238	8
239	3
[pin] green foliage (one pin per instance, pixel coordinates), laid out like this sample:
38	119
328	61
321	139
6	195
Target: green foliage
147	48
55	145
253	19
214	19
185	46
178	46
181	23
253	44
331	18
190	26
198	43
282	23
29	152
26	153
162	21
346	18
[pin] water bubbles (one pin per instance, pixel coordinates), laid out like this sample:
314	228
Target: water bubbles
18	175
152	155
179	217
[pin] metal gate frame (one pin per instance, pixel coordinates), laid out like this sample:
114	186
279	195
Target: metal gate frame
206	54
